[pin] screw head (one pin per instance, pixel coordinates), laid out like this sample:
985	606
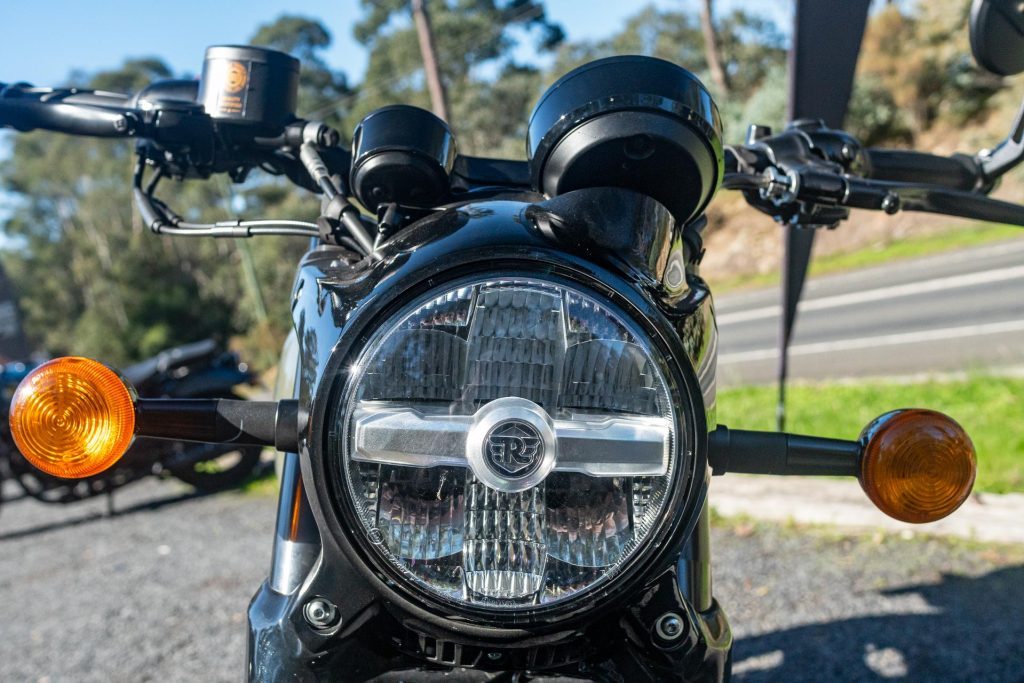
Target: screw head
670	626
891	203
321	614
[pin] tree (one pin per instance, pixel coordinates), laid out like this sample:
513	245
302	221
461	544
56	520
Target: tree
469	35
921	59
752	51
428	51
666	34
90	280
712	50
324	94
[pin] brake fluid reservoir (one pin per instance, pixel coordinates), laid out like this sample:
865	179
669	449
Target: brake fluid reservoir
248	85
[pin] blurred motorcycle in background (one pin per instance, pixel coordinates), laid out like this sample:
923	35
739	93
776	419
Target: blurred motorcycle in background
503	421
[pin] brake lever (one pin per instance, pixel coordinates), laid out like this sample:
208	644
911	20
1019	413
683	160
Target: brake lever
780	162
828	190
782	194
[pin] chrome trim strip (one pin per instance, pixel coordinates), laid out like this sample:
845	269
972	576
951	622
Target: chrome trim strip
596	445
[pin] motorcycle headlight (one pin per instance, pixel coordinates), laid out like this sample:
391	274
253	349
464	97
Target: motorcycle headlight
507	443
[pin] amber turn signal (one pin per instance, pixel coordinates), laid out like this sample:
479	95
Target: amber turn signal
72	417
917	465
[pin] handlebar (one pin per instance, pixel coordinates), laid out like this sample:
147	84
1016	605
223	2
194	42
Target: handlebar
113	115
957	172
809	174
73	111
891	197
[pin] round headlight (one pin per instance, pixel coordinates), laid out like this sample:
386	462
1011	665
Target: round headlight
507	443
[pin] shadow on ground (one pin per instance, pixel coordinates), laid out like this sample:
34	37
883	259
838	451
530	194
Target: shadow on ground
92	515
973	630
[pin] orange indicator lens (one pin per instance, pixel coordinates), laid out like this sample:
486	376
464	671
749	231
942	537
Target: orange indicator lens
72	417
917	465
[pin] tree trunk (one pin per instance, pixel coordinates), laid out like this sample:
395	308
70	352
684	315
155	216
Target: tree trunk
438	100
712	51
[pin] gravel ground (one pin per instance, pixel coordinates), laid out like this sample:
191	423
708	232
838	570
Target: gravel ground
159	592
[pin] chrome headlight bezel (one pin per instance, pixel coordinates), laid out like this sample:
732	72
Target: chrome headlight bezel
687	491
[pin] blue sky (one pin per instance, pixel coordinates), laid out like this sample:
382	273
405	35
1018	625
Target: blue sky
44	41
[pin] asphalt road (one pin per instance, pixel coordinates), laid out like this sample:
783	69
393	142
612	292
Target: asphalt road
949	312
159	592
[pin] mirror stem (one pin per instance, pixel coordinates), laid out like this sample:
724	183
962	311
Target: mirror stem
1010	152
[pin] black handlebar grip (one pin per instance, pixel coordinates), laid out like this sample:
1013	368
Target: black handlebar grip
74	119
957	172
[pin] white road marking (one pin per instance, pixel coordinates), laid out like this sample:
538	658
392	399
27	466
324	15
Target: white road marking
874	342
883	293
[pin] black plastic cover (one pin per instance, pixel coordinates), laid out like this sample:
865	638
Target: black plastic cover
176	91
633	122
402	154
250	85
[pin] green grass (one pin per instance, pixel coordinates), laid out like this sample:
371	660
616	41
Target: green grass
911	247
991	409
266	485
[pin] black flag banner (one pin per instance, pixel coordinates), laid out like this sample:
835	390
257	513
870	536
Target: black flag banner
826	42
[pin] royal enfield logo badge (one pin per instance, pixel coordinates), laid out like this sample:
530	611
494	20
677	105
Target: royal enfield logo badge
513	448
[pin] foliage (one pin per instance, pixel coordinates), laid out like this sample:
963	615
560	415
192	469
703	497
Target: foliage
90	281
472	36
321	89
920	59
766	105
873	117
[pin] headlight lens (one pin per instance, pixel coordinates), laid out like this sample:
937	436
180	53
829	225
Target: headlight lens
507	442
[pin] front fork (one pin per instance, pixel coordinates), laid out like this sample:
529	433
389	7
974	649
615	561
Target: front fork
279	647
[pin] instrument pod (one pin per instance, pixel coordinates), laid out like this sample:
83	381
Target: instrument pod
632	122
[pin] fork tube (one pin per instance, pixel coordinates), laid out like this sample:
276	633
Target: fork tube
296	539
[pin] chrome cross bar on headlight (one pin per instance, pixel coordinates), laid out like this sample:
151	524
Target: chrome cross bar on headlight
512	443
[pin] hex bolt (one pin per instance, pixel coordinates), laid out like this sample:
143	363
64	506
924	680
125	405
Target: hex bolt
670	626
891	203
321	614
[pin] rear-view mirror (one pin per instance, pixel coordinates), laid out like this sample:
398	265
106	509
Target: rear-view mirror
997	35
